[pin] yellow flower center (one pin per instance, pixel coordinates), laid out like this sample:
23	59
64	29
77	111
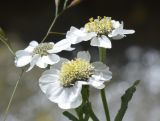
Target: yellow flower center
100	25
74	70
42	49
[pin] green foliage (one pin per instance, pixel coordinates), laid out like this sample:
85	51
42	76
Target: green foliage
5	41
125	100
70	116
2	34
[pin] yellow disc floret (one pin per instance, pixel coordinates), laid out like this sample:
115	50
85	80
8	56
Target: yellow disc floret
74	70
42	49
99	25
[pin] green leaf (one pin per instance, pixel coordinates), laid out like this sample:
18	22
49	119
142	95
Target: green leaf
70	116
2	34
125	100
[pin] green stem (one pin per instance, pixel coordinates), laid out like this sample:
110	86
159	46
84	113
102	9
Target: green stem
65	4
105	104
54	20
52	24
58	33
92	114
12	95
86	105
102	58
49	30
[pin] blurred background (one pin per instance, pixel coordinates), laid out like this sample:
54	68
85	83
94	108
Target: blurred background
134	57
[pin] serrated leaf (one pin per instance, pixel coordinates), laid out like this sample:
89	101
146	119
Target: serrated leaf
70	116
125	100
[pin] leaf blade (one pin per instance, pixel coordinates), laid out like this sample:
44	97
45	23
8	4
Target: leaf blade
125	99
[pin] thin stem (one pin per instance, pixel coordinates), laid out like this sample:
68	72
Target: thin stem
7	45
102	57
54	20
86	106
105	104
65	4
58	33
12	95
52	24
93	116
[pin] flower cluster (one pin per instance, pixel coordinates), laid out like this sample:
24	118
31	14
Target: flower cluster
63	81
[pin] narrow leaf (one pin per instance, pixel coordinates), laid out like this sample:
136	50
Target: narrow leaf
70	116
125	100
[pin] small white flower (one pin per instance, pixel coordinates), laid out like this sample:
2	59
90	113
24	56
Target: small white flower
63	82
99	31
41	54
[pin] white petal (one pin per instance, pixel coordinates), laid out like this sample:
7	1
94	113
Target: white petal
48	81
65	97
106	75
71	97
33	43
22	58
124	31
33	62
102	41
75	35
51	59
59	64
118	37
60	46
115	24
96	82
84	55
54	72
102	70
99	66
119	32
41	63
31	46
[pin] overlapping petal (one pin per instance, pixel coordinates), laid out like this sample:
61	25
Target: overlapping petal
68	97
37	54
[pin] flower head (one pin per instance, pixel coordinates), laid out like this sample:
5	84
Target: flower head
41	54
99	31
100	25
63	82
42	49
74	70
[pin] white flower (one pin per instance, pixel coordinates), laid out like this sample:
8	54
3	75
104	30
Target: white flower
41	54
119	32
99	31
63	82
